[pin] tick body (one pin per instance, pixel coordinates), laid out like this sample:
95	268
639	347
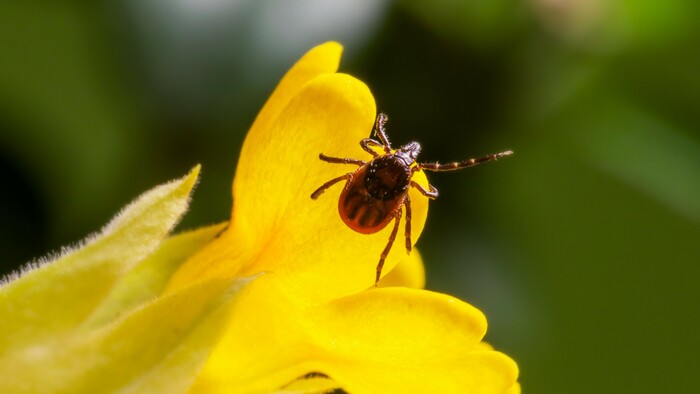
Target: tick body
374	194
377	191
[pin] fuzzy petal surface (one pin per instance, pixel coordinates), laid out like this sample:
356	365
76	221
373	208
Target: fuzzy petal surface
92	320
56	296
148	279
160	346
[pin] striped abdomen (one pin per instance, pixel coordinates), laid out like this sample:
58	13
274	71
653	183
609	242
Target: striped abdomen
371	198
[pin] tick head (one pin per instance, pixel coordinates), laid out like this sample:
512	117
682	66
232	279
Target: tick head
409	152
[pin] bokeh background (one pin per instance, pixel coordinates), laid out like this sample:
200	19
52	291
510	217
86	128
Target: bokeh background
583	249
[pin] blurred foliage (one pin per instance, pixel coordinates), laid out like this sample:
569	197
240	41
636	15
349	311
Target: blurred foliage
581	249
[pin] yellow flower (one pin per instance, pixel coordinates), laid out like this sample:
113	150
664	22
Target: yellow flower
280	299
314	309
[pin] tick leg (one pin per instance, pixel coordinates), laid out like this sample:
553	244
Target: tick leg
407	231
365	144
382	118
431	194
330	183
338	160
464	163
385	253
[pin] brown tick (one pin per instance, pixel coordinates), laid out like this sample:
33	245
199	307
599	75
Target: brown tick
375	193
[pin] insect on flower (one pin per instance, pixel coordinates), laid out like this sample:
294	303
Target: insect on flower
375	193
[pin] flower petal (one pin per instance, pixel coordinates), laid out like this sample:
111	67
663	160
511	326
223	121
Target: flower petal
310	385
147	281
275	221
382	340
320	60
157	348
54	297
514	389
409	272
182	330
404	340
265	345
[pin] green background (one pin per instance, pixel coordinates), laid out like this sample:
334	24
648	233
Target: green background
581	249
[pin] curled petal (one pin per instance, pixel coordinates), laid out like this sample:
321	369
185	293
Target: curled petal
406	340
277	227
321	60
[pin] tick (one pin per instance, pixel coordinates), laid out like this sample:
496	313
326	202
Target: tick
376	192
